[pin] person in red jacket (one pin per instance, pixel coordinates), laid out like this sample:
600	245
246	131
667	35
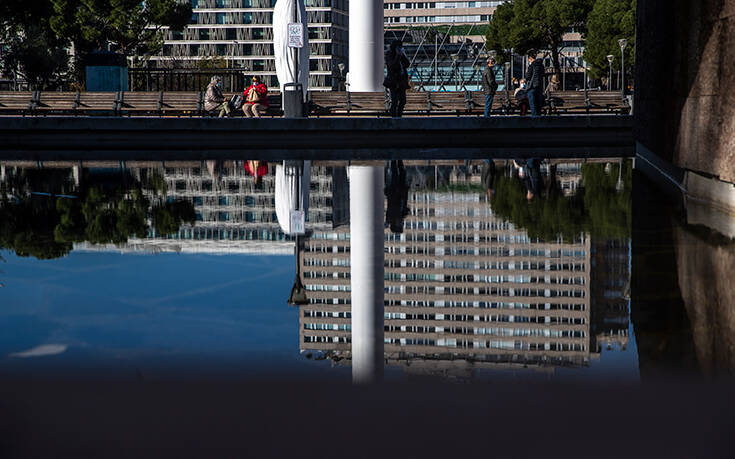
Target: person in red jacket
256	168
256	99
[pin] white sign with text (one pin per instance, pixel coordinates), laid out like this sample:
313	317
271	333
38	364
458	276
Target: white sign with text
295	35
298	220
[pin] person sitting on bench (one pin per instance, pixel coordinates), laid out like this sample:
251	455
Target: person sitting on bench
214	99
256	99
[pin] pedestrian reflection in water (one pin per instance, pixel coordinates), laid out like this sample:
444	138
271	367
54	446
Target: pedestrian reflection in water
396	191
529	171
488	177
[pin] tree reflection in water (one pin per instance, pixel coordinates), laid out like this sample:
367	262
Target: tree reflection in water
601	205
43	213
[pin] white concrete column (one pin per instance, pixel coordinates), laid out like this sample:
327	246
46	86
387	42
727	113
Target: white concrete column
76	173
367	272
2	172
366	45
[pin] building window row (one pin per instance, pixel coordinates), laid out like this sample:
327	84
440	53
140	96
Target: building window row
440	5
327	339
474	304
472	290
332	314
435	19
335	327
327	288
339	4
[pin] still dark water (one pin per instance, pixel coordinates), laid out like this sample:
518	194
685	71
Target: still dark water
143	300
183	270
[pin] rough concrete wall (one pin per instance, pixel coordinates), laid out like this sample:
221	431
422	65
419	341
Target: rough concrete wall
685	83
706	285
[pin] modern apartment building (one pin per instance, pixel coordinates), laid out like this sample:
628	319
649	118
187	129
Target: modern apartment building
400	12
460	285
231	209
240	32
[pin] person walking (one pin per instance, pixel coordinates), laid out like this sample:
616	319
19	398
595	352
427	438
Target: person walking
535	84
397	78
214	99
489	86
256	99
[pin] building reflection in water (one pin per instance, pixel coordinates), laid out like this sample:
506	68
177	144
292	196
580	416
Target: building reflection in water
465	289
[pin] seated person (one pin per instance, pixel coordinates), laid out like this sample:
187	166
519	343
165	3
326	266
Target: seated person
256	99
521	96
257	169
214	99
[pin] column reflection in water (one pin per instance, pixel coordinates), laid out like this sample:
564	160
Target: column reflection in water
367	272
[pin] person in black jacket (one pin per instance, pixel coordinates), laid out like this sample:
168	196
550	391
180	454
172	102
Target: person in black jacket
397	79
489	85
535	84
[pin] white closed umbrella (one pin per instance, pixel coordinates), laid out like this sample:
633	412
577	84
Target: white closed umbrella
283	14
292	191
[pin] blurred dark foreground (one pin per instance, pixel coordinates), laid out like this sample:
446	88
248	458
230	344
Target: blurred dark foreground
292	419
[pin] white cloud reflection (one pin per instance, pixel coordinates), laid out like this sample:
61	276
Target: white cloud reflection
41	351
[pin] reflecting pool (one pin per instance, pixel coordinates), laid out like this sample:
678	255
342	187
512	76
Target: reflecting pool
563	270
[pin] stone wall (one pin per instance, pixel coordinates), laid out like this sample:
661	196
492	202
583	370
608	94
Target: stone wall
685	83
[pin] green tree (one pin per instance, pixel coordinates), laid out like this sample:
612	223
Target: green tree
132	27
103	213
608	199
501	35
30	48
28	229
533	25
609	21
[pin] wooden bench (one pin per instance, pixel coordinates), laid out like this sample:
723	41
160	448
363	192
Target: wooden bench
328	103
501	105
274	104
97	103
52	103
465	103
140	103
574	102
417	103
15	102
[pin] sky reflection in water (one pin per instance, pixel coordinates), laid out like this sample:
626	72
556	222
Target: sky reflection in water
139	306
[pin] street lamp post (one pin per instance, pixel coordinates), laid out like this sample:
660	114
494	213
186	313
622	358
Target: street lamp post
455	58
507	78
610	59
341	67
511	65
232	63
623	43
